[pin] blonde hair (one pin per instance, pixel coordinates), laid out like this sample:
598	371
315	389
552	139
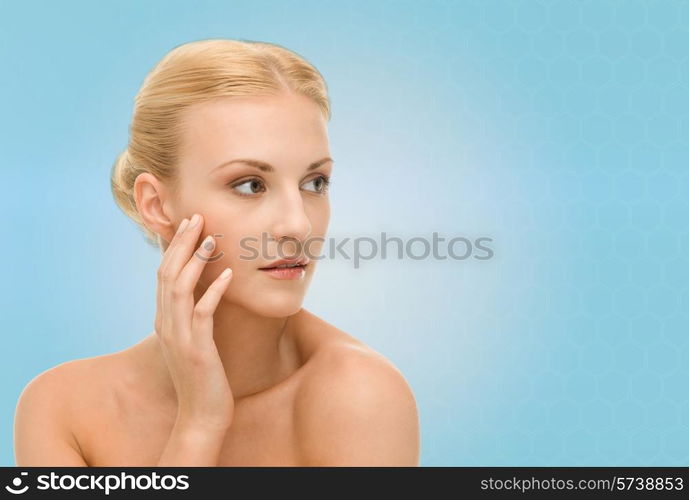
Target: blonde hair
193	73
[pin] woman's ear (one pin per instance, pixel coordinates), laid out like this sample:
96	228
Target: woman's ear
150	196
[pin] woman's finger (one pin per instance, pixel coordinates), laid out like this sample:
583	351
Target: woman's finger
183	294
159	289
202	322
182	250
174	300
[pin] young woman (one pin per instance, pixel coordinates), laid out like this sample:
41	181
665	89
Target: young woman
228	151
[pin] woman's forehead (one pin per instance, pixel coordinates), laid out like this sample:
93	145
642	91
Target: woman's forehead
254	113
267	128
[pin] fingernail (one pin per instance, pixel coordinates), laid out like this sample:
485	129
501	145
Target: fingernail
226	273
208	243
182	226
194	220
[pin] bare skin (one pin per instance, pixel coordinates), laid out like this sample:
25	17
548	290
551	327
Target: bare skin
236	372
113	410
133	418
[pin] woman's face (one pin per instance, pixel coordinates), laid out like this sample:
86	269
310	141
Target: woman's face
248	209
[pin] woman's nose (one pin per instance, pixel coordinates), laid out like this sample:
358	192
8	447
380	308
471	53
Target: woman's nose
291	221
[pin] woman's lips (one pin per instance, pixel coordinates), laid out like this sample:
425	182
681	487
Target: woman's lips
285	273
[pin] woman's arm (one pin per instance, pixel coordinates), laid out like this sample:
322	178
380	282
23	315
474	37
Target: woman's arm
191	446
359	411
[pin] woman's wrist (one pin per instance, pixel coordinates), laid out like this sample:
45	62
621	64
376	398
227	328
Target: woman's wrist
192	444
199	430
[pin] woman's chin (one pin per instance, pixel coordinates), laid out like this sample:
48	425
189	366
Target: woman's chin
277	308
268	302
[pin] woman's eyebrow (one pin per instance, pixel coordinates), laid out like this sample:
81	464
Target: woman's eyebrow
267	167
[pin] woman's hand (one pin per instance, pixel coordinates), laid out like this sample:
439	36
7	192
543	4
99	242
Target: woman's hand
185	331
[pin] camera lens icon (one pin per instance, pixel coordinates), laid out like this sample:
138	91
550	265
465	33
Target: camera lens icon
16	483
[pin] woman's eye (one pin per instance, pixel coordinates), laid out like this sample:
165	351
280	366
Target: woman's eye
321	184
251	186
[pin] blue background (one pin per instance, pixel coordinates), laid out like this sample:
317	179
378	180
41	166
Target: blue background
559	129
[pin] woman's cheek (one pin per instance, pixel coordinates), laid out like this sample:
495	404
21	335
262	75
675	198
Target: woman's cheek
234	253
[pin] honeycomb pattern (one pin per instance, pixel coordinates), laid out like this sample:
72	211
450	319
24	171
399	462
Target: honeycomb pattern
581	356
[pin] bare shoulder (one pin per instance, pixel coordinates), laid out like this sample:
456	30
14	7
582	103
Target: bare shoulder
58	387
355	408
44	416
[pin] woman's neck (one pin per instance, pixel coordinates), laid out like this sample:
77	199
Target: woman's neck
257	352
